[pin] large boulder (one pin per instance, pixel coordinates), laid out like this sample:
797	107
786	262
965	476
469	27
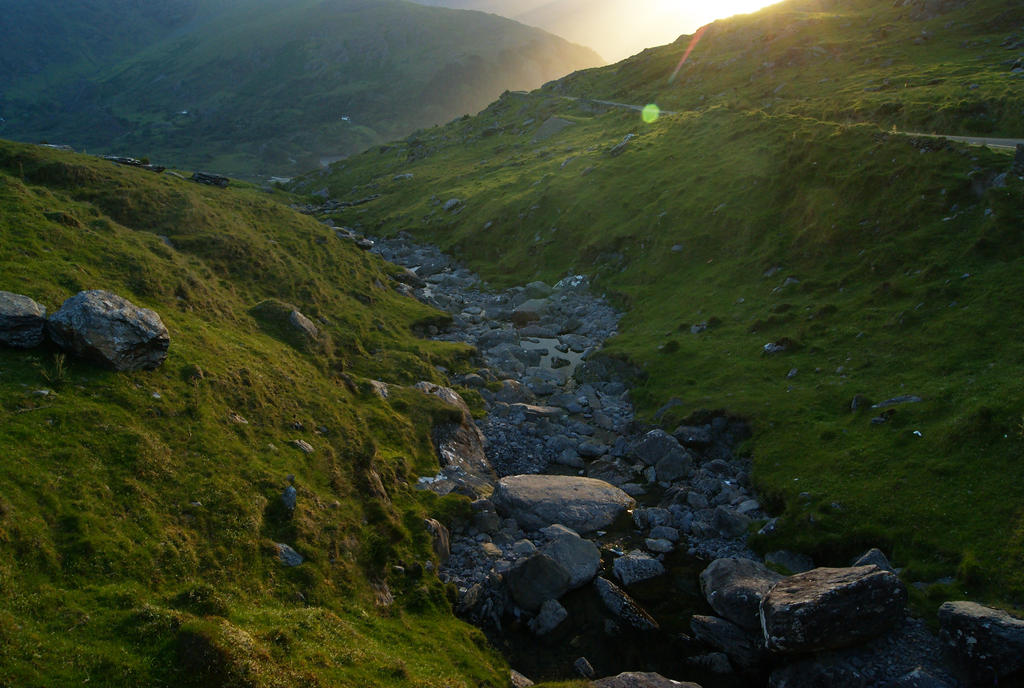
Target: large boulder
537	579
636	679
537	501
110	330
460	448
988	641
622	606
826	608
734	589
22	321
580	557
636	567
659	447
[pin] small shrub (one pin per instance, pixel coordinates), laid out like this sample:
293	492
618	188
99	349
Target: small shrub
56	374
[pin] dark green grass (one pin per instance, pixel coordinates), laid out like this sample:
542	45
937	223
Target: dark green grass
138	511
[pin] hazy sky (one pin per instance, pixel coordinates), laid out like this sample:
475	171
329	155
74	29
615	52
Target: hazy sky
614	28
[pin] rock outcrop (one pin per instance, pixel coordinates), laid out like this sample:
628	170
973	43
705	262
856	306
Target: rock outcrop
989	642
735	587
826	608
460	447
537	579
110	330
22	321
537	501
635	679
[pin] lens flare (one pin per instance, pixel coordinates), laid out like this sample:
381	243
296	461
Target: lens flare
650	113
693	44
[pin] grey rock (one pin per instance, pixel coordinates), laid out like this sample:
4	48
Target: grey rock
452	204
735	587
729	523
659	546
673	466
895	401
303	324
530	311
518	680
636	567
571	458
460	445
622	606
698	437
581	558
793	562
583	504
22	321
831	608
288	556
441	539
592	450
665	533
110	330
537	579
289	498
524	548
697	500
303	446
655	446
745	649
620	147
988	641
651	517
583	668
550	616
636	679
873	556
538	290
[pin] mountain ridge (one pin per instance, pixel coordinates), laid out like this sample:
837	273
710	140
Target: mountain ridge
274	91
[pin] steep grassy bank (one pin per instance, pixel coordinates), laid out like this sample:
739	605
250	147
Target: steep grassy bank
885	265
139	512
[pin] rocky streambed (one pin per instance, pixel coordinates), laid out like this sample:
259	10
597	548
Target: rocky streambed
602	546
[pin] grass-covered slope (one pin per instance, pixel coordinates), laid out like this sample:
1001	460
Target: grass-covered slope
139	512
945	66
887	266
269	87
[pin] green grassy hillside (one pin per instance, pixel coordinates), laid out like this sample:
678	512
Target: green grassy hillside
886	266
268	87
923	65
139	512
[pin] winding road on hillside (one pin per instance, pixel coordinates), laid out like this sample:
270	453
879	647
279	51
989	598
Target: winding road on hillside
998	143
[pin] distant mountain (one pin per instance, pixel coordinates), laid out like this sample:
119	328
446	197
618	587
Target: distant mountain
258	87
614	28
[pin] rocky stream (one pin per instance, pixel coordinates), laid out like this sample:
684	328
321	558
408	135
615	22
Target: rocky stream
601	546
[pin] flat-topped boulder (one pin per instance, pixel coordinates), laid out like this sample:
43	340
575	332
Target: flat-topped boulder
989	641
110	330
825	608
538	501
636	679
22	321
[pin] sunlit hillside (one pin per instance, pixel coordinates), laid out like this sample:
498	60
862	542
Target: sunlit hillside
782	253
